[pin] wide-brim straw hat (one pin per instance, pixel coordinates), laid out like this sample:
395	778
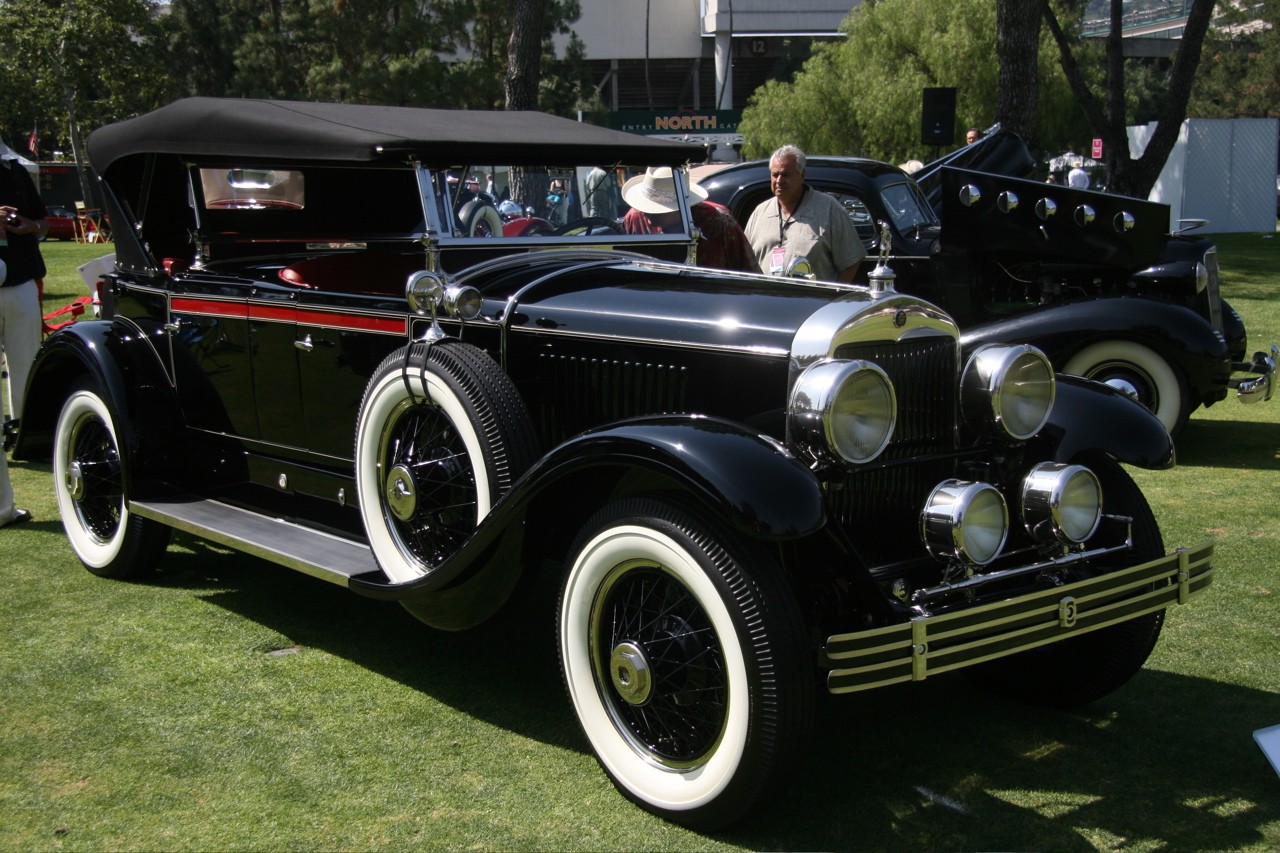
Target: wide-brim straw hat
655	191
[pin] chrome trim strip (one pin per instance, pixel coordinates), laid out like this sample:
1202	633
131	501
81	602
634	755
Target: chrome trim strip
931	645
777	352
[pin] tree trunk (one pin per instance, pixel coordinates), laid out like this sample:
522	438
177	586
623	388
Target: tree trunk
524	71
524	55
1018	51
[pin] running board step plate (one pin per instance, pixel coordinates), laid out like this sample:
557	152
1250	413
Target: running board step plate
312	552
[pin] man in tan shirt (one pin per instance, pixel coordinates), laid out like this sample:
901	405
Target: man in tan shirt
799	221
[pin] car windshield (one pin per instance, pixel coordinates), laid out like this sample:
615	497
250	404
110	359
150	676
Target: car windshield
460	202
516	201
907	207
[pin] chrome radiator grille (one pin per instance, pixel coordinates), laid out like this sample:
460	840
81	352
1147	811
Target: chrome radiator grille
886	498
1211	290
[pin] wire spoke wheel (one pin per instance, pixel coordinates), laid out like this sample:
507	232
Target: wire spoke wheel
660	665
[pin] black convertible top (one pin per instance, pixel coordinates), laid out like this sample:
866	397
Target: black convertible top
300	130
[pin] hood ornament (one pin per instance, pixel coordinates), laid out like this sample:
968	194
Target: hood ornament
881	278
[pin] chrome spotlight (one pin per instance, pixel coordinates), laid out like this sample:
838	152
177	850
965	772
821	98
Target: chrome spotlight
1062	502
965	521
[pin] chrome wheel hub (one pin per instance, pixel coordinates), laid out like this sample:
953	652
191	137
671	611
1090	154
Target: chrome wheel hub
401	493
630	673
75	481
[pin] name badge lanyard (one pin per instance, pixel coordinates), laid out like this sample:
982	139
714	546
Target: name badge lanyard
779	254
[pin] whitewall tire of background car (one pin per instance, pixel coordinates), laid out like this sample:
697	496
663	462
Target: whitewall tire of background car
1135	368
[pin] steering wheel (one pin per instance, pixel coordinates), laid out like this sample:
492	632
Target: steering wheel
588	226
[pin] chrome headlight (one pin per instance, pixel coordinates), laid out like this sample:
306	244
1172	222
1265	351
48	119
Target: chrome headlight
1062	502
1008	388
965	521
842	411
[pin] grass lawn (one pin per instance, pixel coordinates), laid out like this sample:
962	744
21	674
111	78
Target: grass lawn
229	704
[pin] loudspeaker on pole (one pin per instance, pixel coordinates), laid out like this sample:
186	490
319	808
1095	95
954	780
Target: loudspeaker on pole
938	117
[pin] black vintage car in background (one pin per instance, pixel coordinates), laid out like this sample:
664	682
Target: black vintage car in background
1092	279
750	486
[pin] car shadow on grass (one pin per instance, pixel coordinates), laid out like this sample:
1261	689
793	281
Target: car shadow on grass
1167	762
1208	442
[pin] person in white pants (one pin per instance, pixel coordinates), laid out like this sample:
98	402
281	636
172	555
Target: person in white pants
22	225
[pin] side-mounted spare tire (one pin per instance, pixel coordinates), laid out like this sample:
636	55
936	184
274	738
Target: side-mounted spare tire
442	435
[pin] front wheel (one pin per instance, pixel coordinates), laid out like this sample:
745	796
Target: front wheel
1140	372
685	661
90	483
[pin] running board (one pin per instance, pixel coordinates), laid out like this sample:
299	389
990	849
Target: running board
311	552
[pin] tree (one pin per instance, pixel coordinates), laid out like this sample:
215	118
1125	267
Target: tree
1132	176
1018	53
524	55
70	66
845	102
1241	73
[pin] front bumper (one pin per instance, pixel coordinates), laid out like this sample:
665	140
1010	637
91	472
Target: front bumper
931	645
1257	386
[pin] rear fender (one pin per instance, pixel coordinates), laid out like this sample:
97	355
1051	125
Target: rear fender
1091	416
119	361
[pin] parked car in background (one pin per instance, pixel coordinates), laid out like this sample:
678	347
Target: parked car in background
1094	280
62	223
748	488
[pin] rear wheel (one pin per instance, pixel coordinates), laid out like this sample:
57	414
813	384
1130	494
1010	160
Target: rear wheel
90	484
685	663
1078	671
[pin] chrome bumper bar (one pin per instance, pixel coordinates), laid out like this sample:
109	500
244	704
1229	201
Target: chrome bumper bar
931	645
1258	387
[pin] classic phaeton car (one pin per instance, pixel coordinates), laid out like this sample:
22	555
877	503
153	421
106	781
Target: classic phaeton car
753	485
1093	280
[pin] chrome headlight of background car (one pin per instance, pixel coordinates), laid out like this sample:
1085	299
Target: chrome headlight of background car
965	521
842	410
1008	389
1062	502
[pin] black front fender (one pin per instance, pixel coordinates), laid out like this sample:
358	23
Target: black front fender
1091	416
747	480
1175	333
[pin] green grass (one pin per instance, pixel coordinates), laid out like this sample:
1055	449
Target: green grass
227	703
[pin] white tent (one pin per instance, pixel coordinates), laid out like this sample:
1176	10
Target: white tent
1220	170
7	153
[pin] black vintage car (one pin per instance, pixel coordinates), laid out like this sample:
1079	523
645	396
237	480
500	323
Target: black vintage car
753	487
1094	280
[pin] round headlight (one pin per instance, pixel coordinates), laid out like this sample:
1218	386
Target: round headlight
1062	502
843	410
965	521
1009	388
